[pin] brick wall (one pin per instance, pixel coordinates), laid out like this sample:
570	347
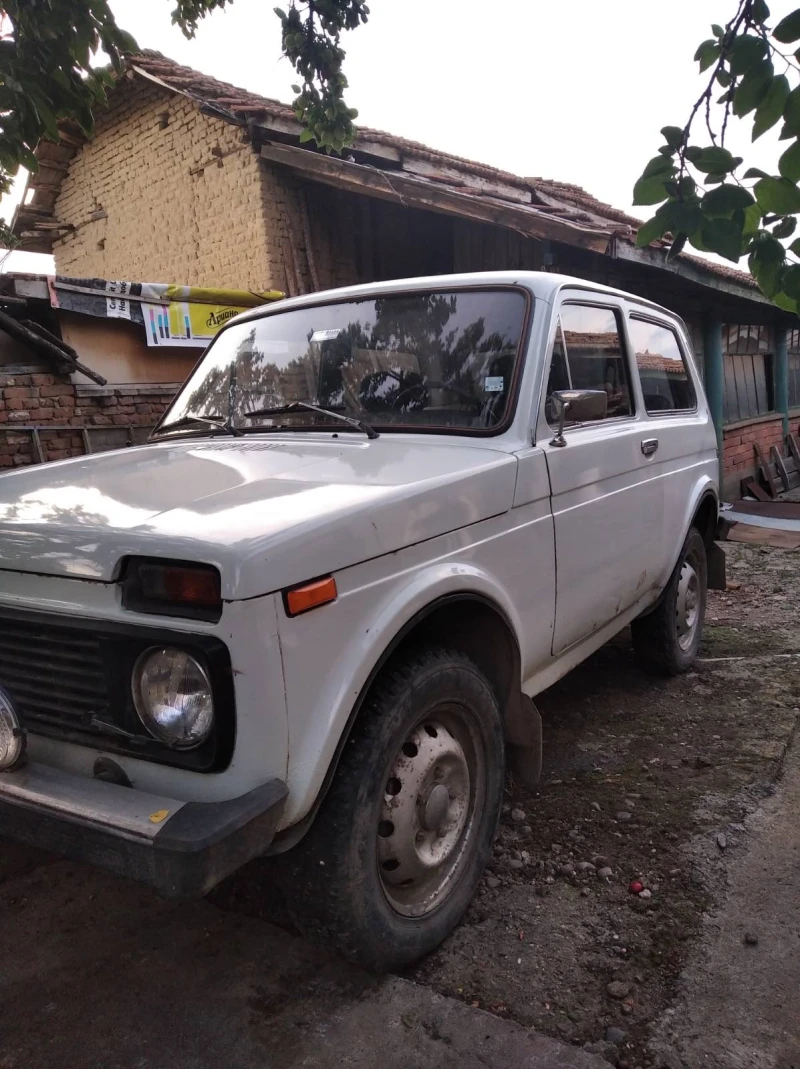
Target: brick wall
36	398
738	455
164	193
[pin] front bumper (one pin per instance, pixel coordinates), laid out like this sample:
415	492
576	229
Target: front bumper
182	849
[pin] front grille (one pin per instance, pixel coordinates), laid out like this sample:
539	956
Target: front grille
55	675
70	679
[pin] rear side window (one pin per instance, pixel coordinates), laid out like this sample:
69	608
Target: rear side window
665	379
588	355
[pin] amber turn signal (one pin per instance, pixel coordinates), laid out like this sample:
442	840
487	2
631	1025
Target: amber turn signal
310	595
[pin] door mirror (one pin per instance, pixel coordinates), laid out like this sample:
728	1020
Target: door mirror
582	405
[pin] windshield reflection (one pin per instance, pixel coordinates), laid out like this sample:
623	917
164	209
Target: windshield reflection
417	361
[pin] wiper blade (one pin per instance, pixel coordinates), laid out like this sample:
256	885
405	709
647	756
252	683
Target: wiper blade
221	423
306	406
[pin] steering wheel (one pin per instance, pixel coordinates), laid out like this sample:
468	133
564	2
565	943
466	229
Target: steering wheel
430	383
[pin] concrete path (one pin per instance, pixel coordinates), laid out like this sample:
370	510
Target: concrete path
740	1000
98	972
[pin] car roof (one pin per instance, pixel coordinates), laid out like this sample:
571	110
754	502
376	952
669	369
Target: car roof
544	285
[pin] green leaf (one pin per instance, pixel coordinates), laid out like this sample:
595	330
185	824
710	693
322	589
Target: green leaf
717	30
752	220
789	163
659	165
755	172
788	29
650	231
766	263
778	196
785	228
790	282
723	236
753	88
795	247
747	51
714	160
791	111
306	135
759	11
771	107
676	248
724	200
649	190
707	53
673	135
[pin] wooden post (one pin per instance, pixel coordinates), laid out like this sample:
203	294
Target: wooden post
714	378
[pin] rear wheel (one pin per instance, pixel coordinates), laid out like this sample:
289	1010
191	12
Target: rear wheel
400	842
668	638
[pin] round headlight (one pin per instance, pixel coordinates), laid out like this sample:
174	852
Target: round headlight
172	695
12	736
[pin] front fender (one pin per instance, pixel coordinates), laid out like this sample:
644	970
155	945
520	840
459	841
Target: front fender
324	696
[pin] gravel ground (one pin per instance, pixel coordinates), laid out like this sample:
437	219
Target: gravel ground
645	780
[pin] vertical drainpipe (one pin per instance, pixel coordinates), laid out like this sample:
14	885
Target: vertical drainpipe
714	374
782	376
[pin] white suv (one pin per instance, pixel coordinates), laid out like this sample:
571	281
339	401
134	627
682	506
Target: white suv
309	616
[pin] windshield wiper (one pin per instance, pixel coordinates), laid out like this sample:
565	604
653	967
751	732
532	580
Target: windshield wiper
306	406
221	423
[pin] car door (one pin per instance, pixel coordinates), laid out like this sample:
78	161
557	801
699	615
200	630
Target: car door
677	424
608	510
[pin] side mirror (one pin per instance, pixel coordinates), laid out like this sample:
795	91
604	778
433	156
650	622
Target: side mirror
582	405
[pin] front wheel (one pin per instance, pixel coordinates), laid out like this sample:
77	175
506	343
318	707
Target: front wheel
668	638
403	836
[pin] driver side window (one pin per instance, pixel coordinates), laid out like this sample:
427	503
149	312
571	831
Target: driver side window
588	355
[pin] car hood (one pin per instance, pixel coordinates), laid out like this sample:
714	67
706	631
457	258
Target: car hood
267	513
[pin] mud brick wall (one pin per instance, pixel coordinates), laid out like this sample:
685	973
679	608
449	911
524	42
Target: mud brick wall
163	193
35	398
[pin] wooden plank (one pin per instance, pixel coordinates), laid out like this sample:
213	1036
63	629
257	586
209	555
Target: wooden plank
405	189
794	448
752	487
749	382
780	467
760	376
484	186
766	469
731	407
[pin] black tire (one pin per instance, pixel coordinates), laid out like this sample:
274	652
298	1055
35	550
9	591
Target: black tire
657	638
335	887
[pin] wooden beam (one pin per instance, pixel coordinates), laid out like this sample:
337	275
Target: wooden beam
409	190
652	257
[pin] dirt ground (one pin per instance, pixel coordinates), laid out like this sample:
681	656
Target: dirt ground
645	780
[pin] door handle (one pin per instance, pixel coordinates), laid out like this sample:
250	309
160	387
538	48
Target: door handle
649	446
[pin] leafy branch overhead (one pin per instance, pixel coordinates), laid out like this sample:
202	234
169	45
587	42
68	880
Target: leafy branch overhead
703	195
311	32
49	73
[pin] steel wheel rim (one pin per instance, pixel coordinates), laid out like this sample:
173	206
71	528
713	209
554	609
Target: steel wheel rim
687	606
429	813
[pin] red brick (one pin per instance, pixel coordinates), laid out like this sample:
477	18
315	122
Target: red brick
144	410
42	380
19	417
100	421
15	392
57	391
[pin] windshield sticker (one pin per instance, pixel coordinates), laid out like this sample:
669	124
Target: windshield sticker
493	384
326	335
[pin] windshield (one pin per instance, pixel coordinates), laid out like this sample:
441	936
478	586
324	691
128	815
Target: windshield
441	361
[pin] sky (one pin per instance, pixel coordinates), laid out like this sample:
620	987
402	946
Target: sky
575	90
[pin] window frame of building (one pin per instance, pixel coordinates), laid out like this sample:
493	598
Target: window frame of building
793	368
749	372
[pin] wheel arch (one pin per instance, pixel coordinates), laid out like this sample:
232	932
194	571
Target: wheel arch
466	621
